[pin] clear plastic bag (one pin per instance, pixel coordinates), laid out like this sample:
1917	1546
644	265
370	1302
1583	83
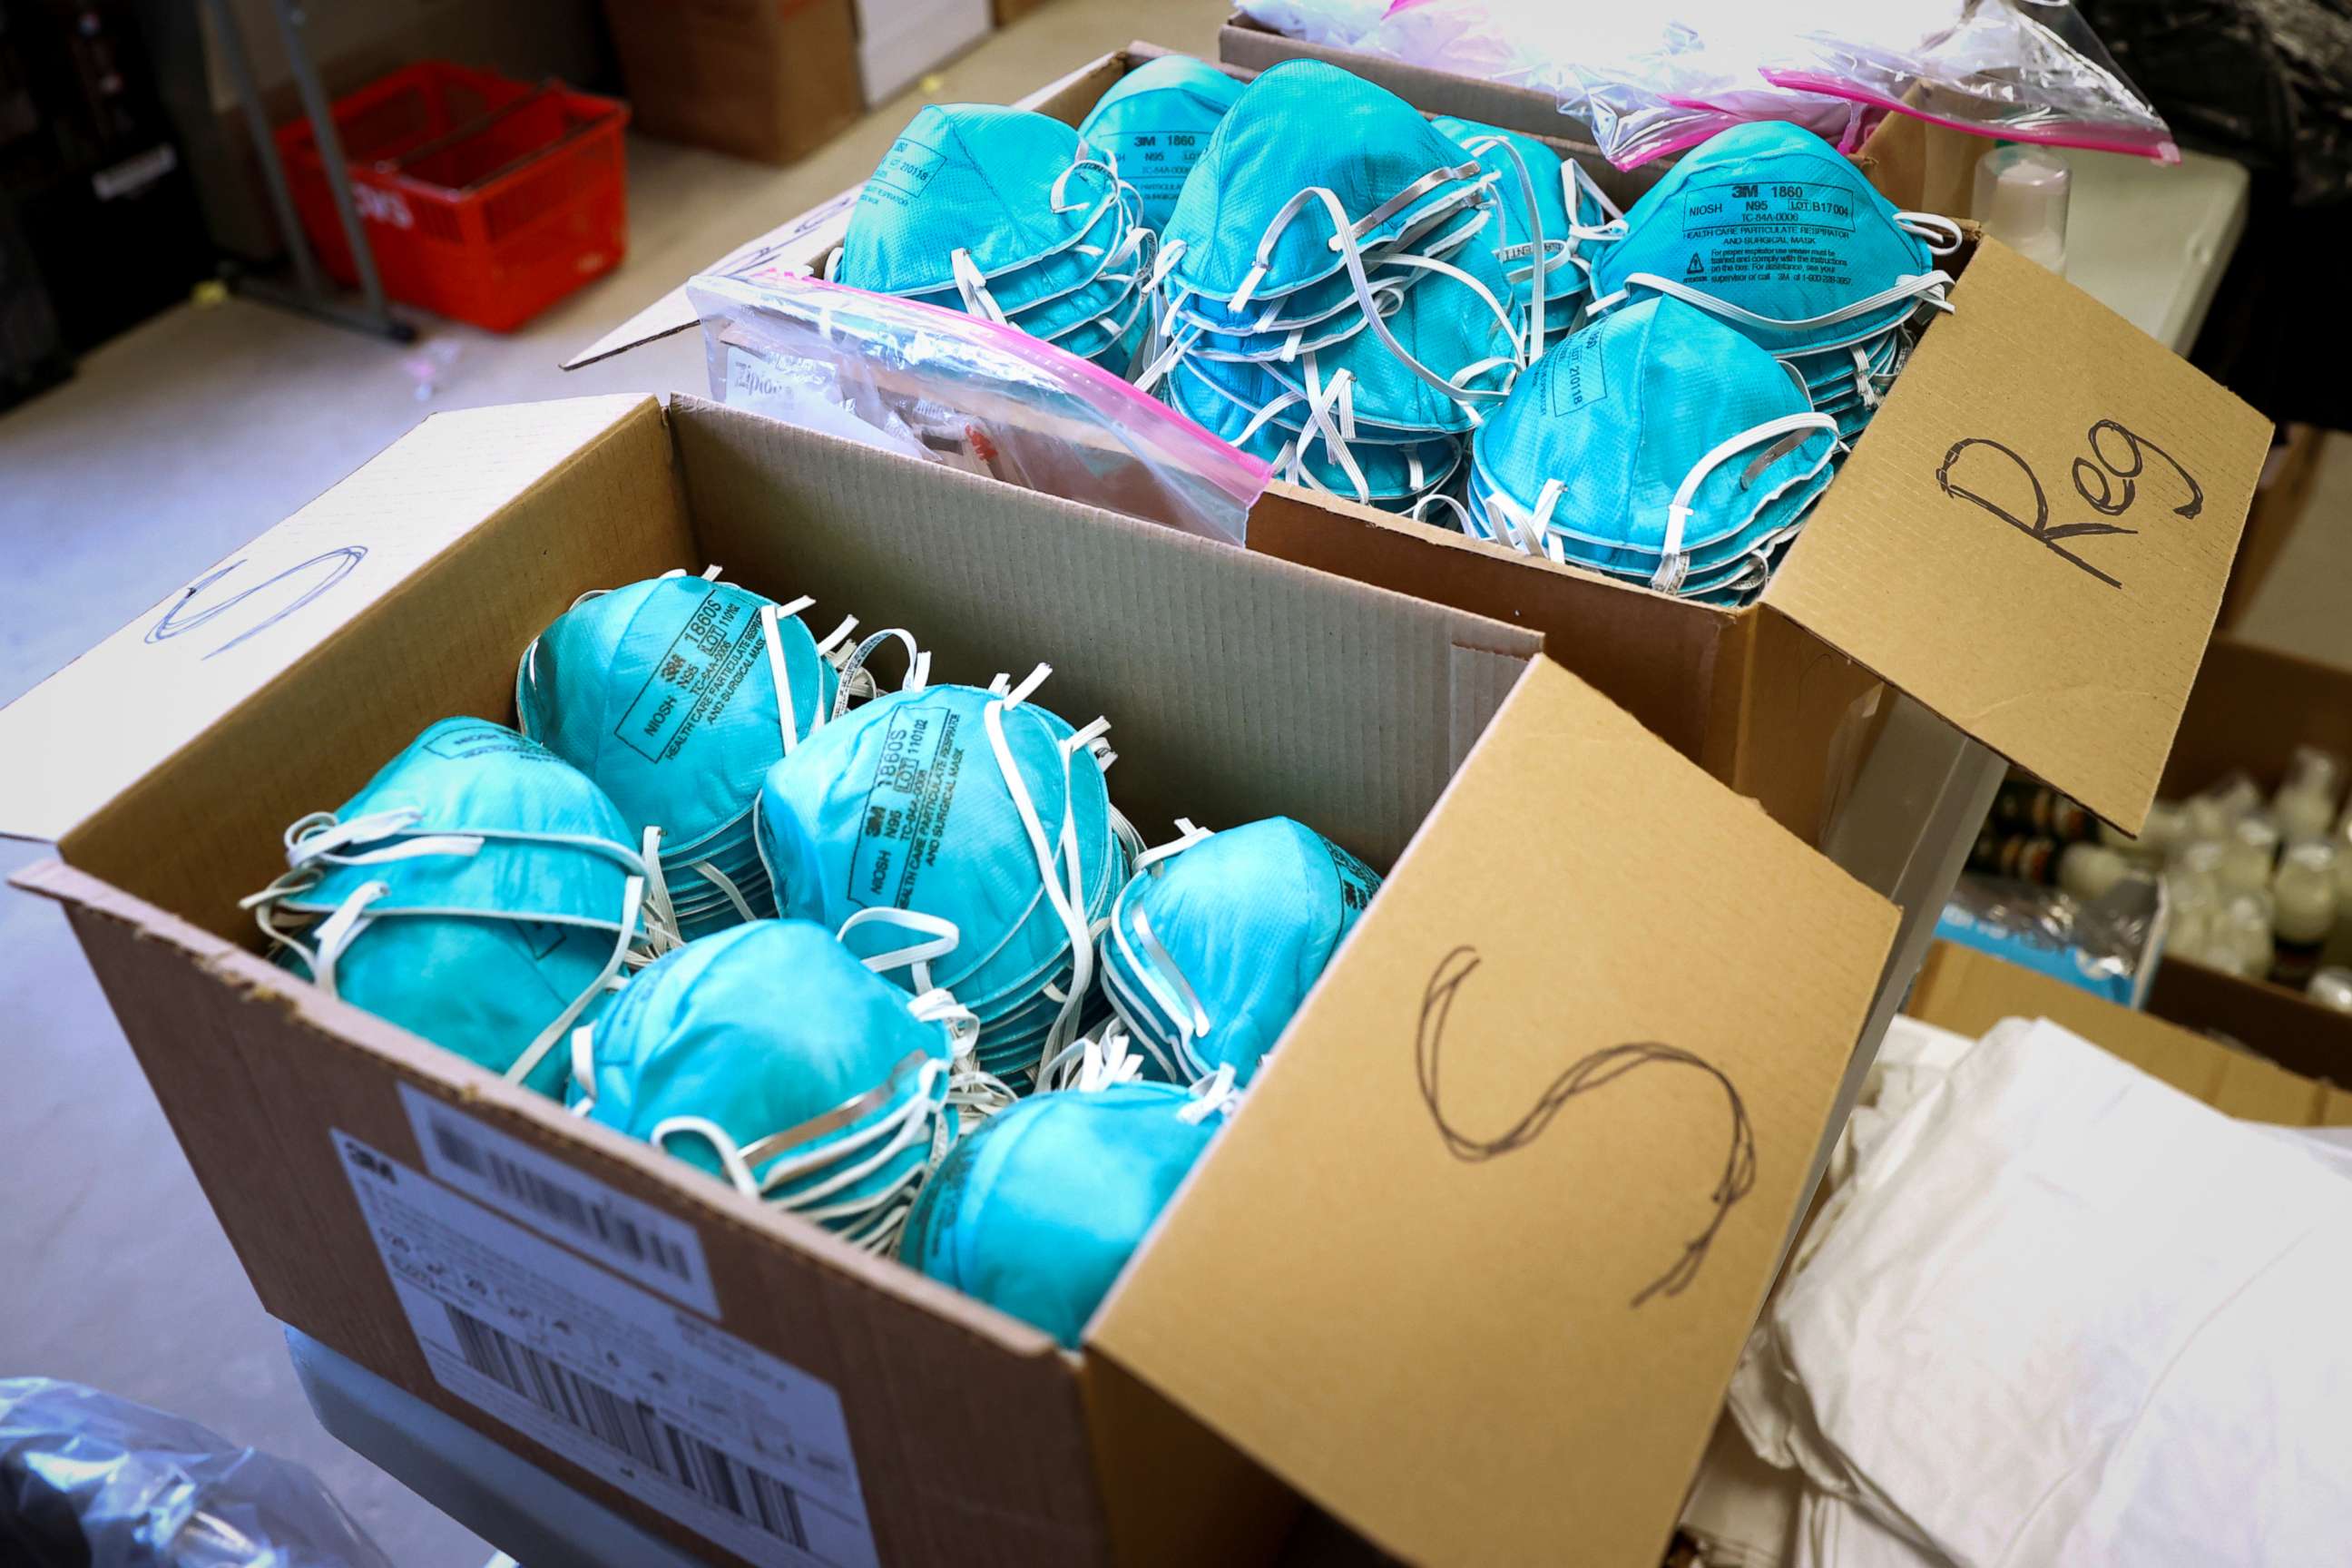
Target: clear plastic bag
2024	70
969	393
89	1479
1651	80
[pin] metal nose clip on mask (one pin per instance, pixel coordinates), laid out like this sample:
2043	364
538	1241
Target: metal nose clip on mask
1154	124
1326	287
1037	1213
1766	226
1658	446
675	695
771	1056
965	837
1217	939
478	891
1006	214
1553	220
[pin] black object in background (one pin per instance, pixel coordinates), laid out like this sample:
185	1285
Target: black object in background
32	354
2269	83
88	161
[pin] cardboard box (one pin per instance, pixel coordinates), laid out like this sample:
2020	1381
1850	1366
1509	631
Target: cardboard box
1470	1359
899	40
771	79
1942	562
1919	166
2281	498
1969	992
2250	708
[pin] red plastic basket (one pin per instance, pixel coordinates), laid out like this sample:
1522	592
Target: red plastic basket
484	199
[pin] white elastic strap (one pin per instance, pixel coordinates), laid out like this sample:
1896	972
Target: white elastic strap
1535	240
661	916
1926	285
583	1067
787	720
632	902
941	939
1184	1006
1217	1095
1345	231
973	288
337	932
1064	902
1941	233
726	888
919	664
1354	262
1675	566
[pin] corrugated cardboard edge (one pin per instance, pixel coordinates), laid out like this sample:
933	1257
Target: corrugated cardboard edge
1969	992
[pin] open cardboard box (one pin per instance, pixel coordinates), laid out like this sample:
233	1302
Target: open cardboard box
1472	1353
2025	554
1969	992
1917	165
2251	707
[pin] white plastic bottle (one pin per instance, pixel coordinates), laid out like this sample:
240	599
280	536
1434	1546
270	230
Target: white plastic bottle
2246	926
2022	196
2249	855
2332	988
2306	801
2304	890
2087	870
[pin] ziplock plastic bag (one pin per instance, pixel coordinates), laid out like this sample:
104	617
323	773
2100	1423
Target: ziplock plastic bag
1651	80
956	389
89	1478
2024	70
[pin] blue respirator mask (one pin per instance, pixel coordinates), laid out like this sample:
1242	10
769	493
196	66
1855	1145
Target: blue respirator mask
965	838
771	1056
1038	1212
677	695
1216	942
1658	446
1769	228
1005	215
1328	284
1154	124
479	891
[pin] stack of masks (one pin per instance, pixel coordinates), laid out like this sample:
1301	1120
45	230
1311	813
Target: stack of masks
834	1107
1768	228
1010	215
1330	298
1553	220
677	695
1656	445
478	891
1154	124
965	839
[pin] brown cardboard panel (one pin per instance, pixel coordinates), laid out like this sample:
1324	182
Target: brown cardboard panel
1236	685
1467	1211
169	678
772	79
2251	707
1177	1495
2286	1027
967	1428
2025	412
1969	992
469	558
2280	502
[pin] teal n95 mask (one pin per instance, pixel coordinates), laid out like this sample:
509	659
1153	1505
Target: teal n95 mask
1655	445
1037	1213
1216	942
772	1058
1154	124
478	891
1766	226
1006	214
966	838
675	695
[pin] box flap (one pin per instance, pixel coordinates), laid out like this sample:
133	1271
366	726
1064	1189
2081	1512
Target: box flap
1472	1264
110	717
2034	536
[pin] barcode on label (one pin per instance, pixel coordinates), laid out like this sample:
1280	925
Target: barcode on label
631	1427
589	1218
